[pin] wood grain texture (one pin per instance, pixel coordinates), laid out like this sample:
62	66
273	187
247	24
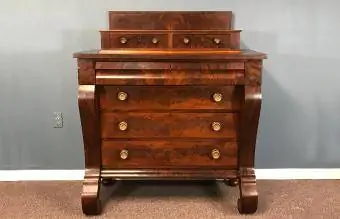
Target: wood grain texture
168	174
169	125
170	98
90	197
170	20
169	77
89	116
167	154
208	66
226	41
250	115
133	65
112	40
248	201
193	54
167	108
231	65
86	72
253	73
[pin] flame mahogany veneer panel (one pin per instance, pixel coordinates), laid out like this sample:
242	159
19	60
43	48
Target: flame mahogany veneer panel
158	20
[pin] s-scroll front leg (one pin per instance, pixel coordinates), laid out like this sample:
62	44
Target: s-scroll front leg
88	109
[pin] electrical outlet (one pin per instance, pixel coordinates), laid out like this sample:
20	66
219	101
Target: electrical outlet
58	120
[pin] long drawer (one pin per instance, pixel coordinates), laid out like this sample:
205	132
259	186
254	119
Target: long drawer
169	125
170	97
167	77
172	153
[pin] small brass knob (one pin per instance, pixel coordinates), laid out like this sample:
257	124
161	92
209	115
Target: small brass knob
217	97
122	96
186	40
217	41
123	40
155	40
123	126
215	153
216	126
124	154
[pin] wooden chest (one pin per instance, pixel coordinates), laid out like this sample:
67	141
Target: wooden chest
170	95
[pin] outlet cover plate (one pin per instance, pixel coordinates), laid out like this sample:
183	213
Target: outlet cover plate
58	120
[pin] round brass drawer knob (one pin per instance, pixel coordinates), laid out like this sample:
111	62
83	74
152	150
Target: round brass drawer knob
124	154
155	40
217	41
123	40
216	126
186	40
217	97
215	153
122	96
123	126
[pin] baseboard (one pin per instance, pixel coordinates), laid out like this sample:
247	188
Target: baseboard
69	175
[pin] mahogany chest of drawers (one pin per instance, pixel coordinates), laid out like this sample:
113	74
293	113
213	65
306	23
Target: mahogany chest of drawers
170	95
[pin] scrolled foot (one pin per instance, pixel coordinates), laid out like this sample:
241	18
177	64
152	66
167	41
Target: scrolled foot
248	201
247	205
91	205
90	199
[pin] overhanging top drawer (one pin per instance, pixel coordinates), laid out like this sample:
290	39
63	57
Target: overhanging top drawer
234	65
132	65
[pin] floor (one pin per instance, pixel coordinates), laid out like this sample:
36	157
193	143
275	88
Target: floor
278	199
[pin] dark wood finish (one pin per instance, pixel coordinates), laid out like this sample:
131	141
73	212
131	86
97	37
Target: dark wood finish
169	93
172	20
190	55
207	40
133	66
167	77
254	72
112	40
169	125
86	72
108	181
248	201
167	98
89	116
209	67
167	154
90	196
231	182
168	174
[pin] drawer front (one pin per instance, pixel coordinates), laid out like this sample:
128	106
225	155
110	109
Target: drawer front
170	98
174	153
170	73
165	77
165	125
111	40
225	41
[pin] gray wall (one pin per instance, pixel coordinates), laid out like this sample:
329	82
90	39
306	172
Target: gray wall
300	122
